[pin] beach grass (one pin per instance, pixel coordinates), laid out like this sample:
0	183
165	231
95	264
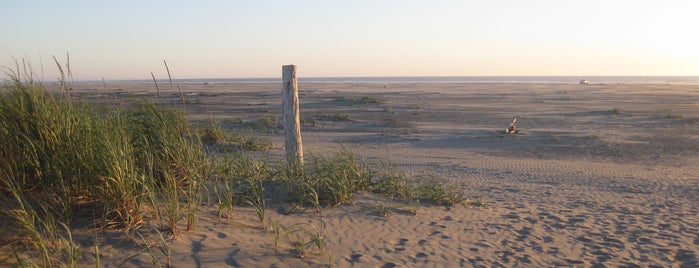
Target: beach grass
327	181
60	157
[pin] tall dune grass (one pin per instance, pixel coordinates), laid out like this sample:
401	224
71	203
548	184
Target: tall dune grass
58	157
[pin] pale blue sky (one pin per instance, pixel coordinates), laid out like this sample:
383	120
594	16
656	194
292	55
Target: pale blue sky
228	39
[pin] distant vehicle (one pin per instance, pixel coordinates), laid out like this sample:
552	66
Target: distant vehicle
584	82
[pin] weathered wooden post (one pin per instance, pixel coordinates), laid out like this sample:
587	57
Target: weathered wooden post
292	123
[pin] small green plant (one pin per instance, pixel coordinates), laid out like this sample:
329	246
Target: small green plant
265	124
616	111
368	99
297	240
302	241
383	210
394	185
299	248
330	181
274	230
674	116
477	202
193	195
171	205
211	133
225	196
253	175
163	247
390	121
192	100
414	210
251	142
336	116
360	100
439	192
233	121
309	121
317	236
257	200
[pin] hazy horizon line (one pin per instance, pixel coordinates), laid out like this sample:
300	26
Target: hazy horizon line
397	76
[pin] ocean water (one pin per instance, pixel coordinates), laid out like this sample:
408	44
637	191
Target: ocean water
673	80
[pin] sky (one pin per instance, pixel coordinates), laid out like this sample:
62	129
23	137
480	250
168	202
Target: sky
243	39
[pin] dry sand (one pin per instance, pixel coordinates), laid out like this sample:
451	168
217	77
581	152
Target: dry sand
601	175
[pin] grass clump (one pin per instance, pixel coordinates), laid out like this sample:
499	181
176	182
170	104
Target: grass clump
390	121
59	157
328	181
303	241
361	100
250	142
233	121
336	117
368	100
440	192
265	124
395	185
212	133
309	121
245	182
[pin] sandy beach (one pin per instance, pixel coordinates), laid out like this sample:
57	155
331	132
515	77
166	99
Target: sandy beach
600	175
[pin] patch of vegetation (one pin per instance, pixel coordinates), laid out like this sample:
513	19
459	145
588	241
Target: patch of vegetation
383	210
674	116
192	101
361	100
59	157
251	142
336	117
327	181
429	189
394	185
232	121
303	241
390	121
212	133
265	124
617	111
309	121
440	192
367	99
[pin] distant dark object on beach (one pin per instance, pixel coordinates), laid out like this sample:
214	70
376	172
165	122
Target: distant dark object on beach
584	82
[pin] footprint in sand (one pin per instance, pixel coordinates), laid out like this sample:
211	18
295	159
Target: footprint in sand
443	236
511	216
400	246
354	258
523	234
531	220
389	265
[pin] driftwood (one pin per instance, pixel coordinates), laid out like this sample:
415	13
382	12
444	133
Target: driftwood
513	128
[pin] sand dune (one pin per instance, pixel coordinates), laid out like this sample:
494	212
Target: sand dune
601	175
